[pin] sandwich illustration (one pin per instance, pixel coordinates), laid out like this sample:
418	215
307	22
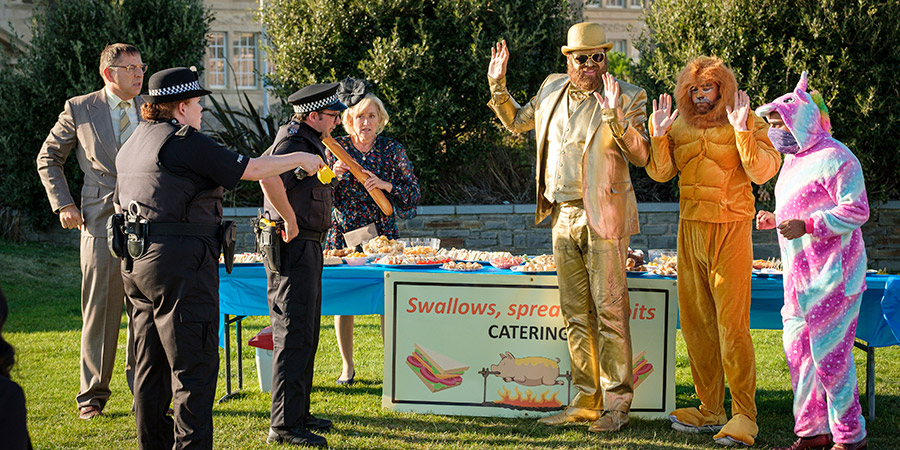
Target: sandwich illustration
641	369
437	371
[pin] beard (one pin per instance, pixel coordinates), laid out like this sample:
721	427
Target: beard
583	81
703	106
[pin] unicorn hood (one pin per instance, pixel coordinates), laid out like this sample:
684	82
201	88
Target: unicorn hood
804	114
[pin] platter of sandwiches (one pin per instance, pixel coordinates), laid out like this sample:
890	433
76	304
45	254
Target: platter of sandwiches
544	264
462	266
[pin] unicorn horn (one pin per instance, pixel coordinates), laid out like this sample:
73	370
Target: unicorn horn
802	85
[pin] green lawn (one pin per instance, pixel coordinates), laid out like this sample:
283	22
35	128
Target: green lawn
42	285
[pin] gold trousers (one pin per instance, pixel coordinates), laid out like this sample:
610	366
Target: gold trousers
714	266
593	296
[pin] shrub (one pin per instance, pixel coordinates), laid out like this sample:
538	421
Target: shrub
63	61
850	49
428	60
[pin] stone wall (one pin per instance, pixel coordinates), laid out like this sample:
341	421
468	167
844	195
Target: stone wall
512	228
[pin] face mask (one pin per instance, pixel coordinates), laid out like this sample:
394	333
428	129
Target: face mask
783	141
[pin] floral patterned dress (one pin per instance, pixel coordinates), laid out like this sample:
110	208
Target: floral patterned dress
354	207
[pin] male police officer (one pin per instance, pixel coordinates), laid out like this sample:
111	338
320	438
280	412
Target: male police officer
302	207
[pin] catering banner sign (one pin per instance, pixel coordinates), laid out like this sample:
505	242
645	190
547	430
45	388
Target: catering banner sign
495	345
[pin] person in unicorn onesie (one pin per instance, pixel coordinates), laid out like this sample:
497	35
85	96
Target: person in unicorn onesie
820	204
717	147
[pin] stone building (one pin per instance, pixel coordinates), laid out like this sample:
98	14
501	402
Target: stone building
621	19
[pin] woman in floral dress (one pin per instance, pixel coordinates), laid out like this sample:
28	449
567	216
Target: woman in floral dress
389	169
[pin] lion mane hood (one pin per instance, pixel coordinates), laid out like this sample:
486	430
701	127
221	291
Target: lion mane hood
697	72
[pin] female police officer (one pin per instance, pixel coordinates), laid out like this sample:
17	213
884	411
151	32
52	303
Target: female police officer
170	186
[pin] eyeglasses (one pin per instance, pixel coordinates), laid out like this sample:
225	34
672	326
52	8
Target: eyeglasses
596	57
131	68
330	114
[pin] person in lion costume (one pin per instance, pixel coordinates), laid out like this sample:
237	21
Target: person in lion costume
717	148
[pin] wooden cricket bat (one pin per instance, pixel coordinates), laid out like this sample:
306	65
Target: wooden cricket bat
377	194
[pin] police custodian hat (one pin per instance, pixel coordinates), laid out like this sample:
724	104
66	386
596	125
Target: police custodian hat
316	97
177	83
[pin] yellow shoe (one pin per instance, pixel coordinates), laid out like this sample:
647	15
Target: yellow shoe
739	430
570	415
609	421
694	420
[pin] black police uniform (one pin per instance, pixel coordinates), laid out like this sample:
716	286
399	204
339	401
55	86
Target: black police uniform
175	176
295	291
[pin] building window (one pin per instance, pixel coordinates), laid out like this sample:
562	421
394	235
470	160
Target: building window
637	4
244	56
216	62
620	45
615	3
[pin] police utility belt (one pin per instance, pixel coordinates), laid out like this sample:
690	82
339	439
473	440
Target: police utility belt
269	241
127	236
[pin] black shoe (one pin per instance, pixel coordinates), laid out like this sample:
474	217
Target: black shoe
348	381
316	424
296	436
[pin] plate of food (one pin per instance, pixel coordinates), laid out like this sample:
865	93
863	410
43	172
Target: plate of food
331	260
462	266
461	254
524	271
383	246
768	273
505	262
664	275
411	261
634	262
409	266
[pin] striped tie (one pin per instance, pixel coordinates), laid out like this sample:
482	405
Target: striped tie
125	128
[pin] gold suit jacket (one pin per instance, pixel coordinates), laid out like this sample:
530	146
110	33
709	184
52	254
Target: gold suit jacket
607	191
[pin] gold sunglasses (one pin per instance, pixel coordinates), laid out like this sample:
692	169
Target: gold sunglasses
596	57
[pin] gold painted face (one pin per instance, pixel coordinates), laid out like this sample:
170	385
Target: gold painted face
587	67
705	96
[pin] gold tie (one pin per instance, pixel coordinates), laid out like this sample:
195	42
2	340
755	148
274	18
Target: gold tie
124	123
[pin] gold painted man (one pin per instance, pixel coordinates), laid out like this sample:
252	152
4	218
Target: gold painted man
585	139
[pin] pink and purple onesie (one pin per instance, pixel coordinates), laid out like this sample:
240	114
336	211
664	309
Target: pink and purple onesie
821	183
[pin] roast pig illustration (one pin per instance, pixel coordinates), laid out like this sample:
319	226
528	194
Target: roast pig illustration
530	371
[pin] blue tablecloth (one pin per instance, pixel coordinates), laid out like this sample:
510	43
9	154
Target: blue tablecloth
360	290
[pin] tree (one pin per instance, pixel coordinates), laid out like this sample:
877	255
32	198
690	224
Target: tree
428	60
850	49
63	61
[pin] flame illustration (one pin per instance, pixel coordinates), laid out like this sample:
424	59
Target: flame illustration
530	400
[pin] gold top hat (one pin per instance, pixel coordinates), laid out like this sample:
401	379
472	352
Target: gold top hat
586	36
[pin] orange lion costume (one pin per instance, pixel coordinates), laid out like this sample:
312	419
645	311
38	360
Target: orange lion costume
715	163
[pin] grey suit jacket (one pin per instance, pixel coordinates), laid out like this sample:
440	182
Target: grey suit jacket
86	127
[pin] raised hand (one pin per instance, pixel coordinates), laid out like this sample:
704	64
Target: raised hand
610	97
765	220
499	58
738	115
661	118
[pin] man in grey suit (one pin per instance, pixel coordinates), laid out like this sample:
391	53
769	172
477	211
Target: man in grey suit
94	126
